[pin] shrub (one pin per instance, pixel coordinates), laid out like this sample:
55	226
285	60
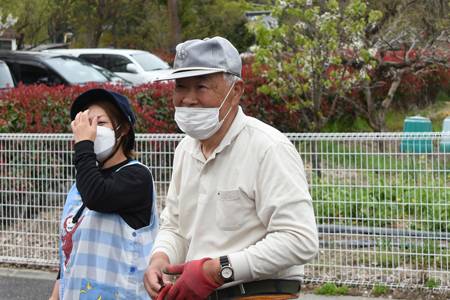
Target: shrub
329	289
168	57
380	289
266	108
43	109
432	283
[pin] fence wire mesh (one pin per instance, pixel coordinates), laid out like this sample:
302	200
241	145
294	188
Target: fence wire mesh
380	199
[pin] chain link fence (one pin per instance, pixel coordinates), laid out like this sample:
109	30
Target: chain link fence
380	199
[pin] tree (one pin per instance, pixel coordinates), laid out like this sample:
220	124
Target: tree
143	24
148	27
318	55
60	19
309	63
32	23
400	55
174	23
9	22
94	17
208	18
405	46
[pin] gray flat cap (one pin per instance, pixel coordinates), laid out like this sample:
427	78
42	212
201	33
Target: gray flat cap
201	57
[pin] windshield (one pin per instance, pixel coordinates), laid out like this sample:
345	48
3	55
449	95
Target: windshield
107	73
113	77
150	62
5	77
76	71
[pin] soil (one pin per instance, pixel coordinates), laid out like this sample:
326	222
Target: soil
392	293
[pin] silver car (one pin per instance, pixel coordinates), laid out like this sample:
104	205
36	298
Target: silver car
136	66
6	78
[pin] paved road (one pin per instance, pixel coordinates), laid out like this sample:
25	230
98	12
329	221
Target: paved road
26	284
19	284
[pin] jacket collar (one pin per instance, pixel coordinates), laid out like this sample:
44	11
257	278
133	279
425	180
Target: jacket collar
193	146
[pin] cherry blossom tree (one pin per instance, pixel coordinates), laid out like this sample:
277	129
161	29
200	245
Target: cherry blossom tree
310	62
320	52
9	22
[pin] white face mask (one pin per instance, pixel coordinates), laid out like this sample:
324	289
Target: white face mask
200	123
104	141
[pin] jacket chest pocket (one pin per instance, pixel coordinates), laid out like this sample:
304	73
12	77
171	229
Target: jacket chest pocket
229	211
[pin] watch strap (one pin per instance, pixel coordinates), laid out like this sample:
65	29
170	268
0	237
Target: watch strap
224	261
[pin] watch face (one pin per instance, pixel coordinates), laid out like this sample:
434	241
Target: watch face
226	272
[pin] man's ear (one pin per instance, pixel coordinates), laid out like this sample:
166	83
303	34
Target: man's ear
238	90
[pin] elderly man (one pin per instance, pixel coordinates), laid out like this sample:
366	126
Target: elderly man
238	221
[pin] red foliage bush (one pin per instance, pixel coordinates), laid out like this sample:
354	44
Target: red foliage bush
43	109
415	90
266	108
168	57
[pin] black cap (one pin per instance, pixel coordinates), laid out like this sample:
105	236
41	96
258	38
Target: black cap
119	100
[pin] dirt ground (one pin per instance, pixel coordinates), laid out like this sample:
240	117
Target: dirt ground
393	293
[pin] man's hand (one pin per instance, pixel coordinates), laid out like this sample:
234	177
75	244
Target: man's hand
193	284
163	292
81	128
154	279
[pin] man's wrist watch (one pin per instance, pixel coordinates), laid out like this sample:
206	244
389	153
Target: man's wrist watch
226	270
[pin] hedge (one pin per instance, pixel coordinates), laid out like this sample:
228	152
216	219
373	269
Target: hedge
44	109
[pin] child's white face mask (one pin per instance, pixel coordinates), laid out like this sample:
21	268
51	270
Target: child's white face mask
104	141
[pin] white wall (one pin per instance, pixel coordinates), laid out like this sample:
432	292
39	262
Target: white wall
13	42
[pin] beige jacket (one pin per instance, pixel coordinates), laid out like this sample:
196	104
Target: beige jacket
249	200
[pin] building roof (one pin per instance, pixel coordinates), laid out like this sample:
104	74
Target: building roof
9	33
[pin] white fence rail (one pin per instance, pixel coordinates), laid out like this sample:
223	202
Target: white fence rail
381	201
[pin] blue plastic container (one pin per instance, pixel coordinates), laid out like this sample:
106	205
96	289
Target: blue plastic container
444	145
417	143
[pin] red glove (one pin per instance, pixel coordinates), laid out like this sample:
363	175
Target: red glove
193	283
163	292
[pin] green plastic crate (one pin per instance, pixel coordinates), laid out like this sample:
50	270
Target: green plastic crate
417	144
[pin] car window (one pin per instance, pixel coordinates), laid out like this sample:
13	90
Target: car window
150	62
116	63
95	59
54	79
75	71
5	76
31	73
110	75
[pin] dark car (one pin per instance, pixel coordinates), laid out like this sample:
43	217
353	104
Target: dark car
6	78
50	68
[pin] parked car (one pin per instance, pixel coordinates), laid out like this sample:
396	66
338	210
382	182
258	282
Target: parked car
136	66
50	68
113	77
6	78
